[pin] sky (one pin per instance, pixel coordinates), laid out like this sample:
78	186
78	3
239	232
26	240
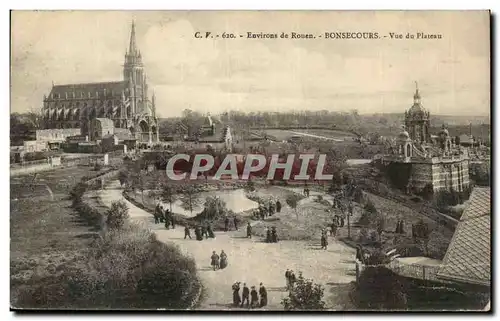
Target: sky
216	75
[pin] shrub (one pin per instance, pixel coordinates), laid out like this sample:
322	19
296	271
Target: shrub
123	177
305	295
379	288
123	269
117	215
77	192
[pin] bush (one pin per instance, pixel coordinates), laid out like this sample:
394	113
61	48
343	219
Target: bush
77	192
117	215
305	295
124	269
379	288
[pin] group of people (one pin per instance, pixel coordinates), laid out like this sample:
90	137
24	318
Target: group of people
202	232
271	235
164	216
264	211
249	298
227	221
290	279
338	221
218	261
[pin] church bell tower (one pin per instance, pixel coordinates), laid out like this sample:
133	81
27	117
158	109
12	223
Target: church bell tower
133	74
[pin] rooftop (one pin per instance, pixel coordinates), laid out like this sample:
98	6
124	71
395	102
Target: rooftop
468	259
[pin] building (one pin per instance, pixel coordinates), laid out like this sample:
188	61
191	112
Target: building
124	104
468	258
425	161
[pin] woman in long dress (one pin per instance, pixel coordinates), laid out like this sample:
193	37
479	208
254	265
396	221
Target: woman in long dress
223	259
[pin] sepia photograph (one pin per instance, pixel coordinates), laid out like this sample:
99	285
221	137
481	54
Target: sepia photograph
250	161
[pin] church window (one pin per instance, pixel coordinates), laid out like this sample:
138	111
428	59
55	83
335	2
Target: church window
408	150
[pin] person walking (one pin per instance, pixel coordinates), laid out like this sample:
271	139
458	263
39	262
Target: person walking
293	279
324	241
333	229
245	295
268	235
249	230
226	224
223	260
263	295
187	232
214	261
172	219
157	213
235	221
254	298
274	235
278	206
236	294
288	279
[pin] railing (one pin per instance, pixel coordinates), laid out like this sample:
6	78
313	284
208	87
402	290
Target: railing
29	163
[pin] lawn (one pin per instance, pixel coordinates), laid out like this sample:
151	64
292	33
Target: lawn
46	234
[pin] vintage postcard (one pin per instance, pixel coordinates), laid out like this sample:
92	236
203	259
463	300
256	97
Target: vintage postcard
250	160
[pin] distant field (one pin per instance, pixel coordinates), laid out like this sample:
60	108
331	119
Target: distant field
286	134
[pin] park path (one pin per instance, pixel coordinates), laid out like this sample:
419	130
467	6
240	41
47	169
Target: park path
250	260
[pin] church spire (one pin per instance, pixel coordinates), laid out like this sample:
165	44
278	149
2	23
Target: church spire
132	50
416	97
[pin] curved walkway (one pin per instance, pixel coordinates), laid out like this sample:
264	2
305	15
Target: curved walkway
250	260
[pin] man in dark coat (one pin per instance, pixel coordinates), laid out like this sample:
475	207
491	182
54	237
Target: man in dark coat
292	278
268	235
172	219
245	295
226	224
333	229
214	260
236	294
249	230
158	209
235	221
187	232
263	295
288	279
278	206
254	302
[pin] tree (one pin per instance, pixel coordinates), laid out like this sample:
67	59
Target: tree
293	201
379	288
123	177
214	208
168	194
117	215
305	295
421	232
190	198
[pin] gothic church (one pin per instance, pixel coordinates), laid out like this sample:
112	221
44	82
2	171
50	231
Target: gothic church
126	103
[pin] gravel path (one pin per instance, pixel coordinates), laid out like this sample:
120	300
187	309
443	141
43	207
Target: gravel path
250	260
